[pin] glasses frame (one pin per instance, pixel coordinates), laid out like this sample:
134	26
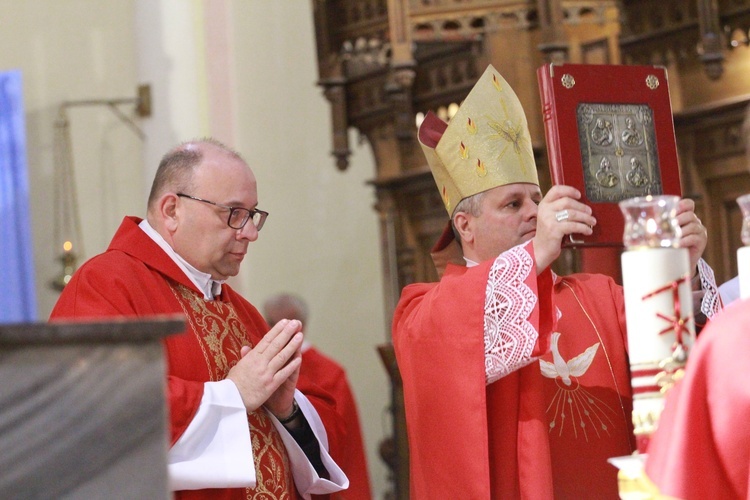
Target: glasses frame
250	213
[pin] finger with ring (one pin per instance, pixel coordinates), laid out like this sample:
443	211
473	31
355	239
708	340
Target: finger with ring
562	215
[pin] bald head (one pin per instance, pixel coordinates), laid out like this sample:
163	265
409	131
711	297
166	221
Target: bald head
177	167
285	306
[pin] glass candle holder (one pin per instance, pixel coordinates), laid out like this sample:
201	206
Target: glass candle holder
651	222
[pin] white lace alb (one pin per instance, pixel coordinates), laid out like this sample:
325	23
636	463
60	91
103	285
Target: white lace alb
711	303
509	337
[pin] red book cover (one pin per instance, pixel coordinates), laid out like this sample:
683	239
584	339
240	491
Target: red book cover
610	134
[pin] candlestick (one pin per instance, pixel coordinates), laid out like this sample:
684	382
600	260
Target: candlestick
68	260
66	220
658	305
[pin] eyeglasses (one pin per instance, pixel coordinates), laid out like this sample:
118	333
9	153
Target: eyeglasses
238	216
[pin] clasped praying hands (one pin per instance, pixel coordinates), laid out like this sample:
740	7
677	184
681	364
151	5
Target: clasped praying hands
267	374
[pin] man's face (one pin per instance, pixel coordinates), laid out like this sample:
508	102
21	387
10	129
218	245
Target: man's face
508	218
202	236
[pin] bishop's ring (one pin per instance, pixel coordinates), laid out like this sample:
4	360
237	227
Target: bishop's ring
562	215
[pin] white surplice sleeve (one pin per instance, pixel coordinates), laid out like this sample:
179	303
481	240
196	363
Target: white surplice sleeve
215	451
509	336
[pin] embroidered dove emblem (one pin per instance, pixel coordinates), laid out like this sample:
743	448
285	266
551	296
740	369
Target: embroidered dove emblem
572	406
575	367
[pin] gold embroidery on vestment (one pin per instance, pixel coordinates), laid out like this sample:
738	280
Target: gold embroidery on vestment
221	334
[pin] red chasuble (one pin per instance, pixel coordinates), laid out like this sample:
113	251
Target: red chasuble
317	368
588	396
544	430
134	277
701	448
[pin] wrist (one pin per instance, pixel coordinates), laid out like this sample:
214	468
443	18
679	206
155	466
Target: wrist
291	416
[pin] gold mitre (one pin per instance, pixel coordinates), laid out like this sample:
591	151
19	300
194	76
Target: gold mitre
485	145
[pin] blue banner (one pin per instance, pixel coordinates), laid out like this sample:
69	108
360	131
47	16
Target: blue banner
18	299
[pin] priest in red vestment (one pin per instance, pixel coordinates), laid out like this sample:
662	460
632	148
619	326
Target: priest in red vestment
701	448
328	374
241	424
516	381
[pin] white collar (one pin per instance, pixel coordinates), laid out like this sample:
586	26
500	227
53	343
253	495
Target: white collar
210	287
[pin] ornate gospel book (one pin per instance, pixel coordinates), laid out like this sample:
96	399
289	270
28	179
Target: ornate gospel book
610	134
